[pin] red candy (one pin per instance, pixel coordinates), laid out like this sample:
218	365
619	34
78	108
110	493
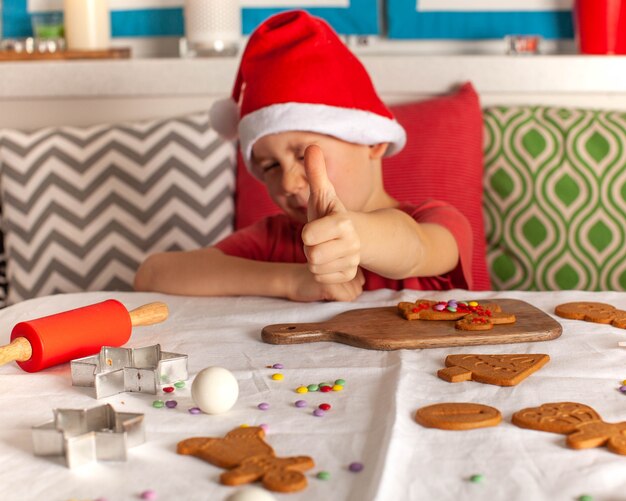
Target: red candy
168	389
420	307
326	389
324	407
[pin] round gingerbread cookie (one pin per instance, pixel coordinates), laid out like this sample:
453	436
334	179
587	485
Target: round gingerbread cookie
584	310
458	416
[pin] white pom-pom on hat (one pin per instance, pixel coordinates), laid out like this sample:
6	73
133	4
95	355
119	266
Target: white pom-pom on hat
224	117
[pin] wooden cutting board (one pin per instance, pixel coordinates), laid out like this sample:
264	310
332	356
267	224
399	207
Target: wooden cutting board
384	329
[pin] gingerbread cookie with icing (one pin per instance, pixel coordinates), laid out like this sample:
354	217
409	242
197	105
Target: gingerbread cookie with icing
601	313
582	425
501	370
249	458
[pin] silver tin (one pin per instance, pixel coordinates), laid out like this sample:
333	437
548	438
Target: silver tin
116	370
87	435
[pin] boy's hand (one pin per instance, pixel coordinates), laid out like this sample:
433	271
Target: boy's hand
305	288
331	243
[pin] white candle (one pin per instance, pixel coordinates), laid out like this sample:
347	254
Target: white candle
87	24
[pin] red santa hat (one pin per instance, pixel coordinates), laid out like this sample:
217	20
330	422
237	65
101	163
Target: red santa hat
297	75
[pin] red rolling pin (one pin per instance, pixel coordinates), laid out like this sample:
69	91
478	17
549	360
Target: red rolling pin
55	339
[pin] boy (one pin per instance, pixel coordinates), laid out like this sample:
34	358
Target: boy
313	129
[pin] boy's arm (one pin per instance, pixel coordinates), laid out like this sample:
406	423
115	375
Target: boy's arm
394	245
387	241
210	272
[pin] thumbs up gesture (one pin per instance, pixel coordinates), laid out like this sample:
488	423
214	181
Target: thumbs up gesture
331	243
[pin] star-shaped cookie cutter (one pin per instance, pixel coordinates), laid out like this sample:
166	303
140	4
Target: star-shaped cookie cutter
87	435
116	370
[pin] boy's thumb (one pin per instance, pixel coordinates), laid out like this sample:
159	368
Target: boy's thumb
322	198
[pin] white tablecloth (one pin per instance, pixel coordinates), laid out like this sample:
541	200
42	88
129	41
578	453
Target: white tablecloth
371	421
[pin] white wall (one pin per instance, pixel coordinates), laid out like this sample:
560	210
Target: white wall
36	94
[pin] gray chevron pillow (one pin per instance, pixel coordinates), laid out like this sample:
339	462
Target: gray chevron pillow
82	207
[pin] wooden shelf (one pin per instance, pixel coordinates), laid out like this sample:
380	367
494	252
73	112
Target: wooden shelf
116	53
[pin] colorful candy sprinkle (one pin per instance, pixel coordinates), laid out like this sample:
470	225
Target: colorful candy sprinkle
323	475
318	413
585	497
194	410
264	427
278	366
355	467
337	387
313	387
244	425
301	403
149	495
622	388
263	406
170	404
179	384
326	389
158	404
324	407
168	389
277	377
342	382
302	389
476	479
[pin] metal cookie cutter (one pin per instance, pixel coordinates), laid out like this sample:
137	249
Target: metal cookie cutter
116	370
87	435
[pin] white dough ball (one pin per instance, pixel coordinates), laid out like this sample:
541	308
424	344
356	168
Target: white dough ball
215	390
251	494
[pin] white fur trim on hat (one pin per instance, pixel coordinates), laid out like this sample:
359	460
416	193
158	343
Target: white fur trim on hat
349	124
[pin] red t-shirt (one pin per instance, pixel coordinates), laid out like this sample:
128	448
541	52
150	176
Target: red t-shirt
278	239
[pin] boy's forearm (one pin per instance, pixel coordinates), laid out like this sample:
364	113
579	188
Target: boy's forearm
394	245
209	272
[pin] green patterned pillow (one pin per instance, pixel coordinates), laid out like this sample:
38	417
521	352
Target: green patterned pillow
555	198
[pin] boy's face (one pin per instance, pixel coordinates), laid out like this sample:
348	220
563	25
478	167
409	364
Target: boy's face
278	159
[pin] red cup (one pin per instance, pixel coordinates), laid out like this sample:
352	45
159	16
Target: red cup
600	26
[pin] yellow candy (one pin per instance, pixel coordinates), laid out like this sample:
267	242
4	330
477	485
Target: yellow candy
277	377
473	303
244	425
302	389
337	387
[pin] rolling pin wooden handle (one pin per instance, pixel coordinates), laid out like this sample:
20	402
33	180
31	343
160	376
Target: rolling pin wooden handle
19	350
148	314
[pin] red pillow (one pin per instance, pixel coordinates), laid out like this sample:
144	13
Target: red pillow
443	159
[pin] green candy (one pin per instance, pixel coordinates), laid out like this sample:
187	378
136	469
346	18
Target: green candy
158	404
323	475
341	382
313	387
476	479
179	384
585	497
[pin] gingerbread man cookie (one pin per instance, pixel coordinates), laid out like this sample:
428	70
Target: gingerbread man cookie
249	458
470	315
582	425
501	370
